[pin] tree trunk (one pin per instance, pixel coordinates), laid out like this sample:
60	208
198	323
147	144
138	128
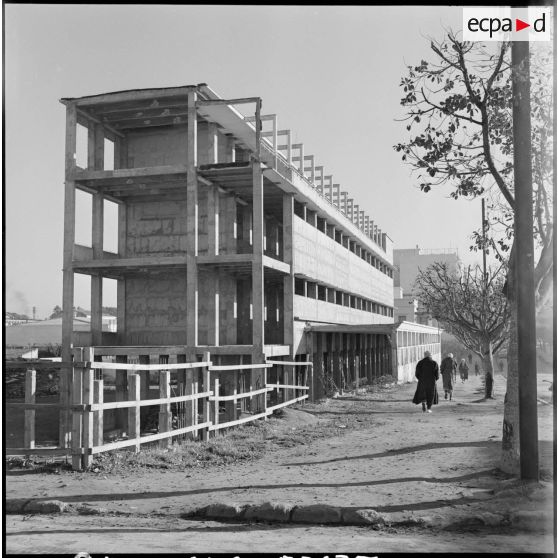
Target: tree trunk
509	461
488	365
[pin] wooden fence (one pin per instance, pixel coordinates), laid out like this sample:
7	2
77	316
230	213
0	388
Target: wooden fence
88	407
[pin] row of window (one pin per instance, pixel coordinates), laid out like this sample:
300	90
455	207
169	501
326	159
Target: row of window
310	289
414	338
323	226
411	355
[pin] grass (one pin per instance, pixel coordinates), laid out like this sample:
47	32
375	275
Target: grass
245	443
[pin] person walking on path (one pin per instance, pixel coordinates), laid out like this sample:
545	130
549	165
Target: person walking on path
427	373
448	375
477	368
463	371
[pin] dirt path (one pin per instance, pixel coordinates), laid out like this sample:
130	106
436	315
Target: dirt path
109	536
429	469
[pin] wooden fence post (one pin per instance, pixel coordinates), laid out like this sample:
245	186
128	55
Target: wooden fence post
98	422
311	382
195	406
216	404
88	440
77	416
121	394
265	393
165	415
134	431
205	400
29	414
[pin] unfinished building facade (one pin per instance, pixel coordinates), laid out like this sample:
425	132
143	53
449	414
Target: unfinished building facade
231	239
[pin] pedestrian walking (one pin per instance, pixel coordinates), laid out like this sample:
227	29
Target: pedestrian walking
477	368
463	371
427	373
448	375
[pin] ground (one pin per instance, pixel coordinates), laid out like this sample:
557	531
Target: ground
384	475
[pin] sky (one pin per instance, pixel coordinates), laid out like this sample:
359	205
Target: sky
330	73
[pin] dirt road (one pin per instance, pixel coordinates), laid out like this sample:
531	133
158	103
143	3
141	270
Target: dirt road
53	535
433	472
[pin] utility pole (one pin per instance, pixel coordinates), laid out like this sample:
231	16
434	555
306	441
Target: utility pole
524	262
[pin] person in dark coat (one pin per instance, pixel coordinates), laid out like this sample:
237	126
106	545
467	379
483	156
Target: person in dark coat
427	373
463	370
448	375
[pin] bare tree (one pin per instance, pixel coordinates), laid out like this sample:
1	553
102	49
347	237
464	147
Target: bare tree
469	305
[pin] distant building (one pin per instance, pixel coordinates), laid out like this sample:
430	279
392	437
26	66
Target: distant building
407	264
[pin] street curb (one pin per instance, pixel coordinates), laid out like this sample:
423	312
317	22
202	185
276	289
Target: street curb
317	514
321	514
20	505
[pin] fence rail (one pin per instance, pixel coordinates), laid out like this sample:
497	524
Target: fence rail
198	409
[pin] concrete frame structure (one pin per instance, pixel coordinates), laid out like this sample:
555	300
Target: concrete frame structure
230	239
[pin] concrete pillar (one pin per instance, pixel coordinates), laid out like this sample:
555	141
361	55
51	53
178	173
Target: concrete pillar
97	279
318	365
121	283
288	281
66	377
336	359
192	224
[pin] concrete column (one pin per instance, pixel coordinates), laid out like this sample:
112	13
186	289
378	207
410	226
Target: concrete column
66	378
257	262
121	282
96	156
192	224
258	376
336	359
288	281
318	364
336	199
97	279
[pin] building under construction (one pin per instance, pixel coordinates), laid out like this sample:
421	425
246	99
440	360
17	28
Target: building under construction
231	239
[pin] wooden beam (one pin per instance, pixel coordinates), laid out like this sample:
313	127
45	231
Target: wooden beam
94	120
241	101
131	95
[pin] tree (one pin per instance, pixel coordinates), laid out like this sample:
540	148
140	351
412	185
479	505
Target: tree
56	313
462	107
459	110
471	307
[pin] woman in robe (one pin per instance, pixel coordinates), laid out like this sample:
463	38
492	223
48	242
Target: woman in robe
427	373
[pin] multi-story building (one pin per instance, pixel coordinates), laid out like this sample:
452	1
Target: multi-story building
230	238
